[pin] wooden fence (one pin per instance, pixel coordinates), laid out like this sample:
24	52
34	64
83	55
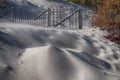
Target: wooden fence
46	17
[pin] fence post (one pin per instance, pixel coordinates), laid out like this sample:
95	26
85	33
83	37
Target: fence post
49	17
80	19
53	18
12	15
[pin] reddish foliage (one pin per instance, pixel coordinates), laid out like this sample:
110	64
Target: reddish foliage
108	17
113	38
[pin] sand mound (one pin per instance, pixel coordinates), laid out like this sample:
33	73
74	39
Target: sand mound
52	63
35	53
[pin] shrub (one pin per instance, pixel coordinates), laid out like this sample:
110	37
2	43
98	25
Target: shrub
108	17
108	14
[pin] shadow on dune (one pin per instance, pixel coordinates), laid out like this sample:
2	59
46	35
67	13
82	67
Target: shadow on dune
91	60
60	63
10	40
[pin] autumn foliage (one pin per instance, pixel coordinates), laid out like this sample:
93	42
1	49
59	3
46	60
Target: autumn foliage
108	14
108	17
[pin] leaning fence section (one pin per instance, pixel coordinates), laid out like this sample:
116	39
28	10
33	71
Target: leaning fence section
69	20
45	17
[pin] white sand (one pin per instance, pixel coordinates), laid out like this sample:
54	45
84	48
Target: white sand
36	53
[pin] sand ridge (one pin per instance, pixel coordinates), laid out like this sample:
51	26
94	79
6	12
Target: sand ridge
37	53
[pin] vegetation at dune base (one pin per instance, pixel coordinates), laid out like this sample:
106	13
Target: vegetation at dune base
108	14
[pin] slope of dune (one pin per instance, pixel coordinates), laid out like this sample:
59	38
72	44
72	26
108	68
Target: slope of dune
36	53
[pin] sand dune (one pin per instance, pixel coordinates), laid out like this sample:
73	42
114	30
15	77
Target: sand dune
36	53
